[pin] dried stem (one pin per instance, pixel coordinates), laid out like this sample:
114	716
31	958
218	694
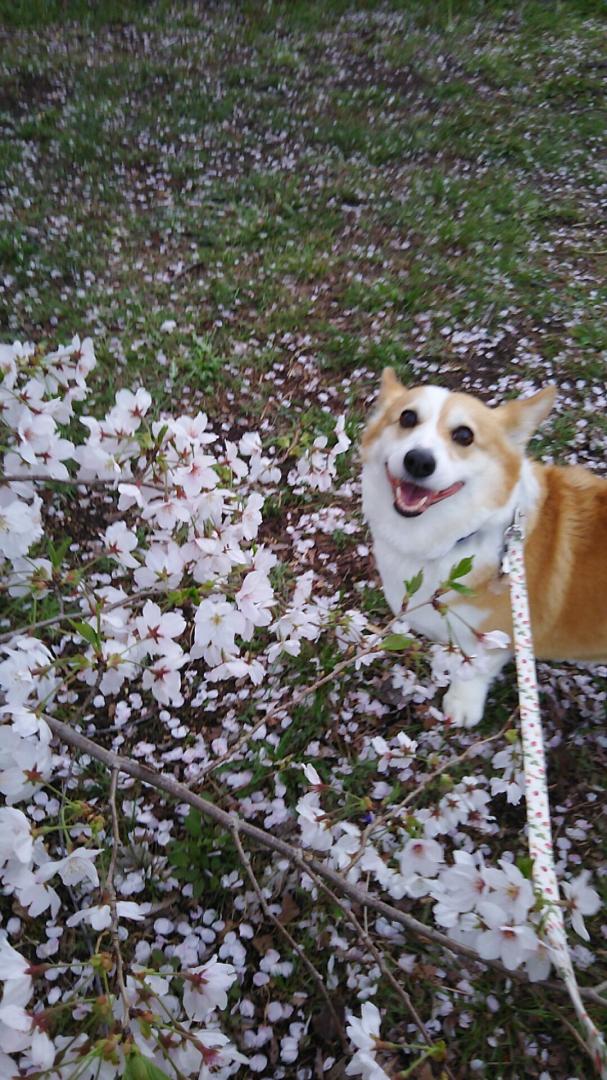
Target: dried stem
246	862
377	954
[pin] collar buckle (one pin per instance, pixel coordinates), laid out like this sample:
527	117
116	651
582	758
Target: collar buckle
515	531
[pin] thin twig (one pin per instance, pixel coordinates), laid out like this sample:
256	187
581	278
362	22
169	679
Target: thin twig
573	1031
395	810
190	269
74	481
42	478
111	894
79	614
246	862
363	934
293	702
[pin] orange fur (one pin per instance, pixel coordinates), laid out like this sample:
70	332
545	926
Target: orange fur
566	564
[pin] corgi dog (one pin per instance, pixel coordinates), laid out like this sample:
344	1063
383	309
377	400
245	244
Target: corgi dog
442	477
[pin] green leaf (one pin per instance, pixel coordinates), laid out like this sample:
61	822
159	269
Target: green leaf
525	865
463	589
397	642
139	1067
415	583
461	568
191	594
193	823
133	1069
57	552
88	633
78	662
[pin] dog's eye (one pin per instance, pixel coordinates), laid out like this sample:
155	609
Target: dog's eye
462	435
408	418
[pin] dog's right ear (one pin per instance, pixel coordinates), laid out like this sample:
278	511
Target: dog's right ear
389	386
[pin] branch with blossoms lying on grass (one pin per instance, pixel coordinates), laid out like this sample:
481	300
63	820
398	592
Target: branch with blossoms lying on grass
165	609
321	873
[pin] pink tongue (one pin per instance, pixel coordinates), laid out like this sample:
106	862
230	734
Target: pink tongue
410	497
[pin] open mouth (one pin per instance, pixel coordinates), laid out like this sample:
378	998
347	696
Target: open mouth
411	500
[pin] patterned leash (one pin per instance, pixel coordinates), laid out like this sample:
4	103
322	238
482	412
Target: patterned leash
536	791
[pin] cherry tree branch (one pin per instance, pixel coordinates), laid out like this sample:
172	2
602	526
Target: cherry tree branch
74	481
296	856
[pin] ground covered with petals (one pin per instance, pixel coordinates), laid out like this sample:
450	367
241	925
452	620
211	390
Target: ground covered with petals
217	224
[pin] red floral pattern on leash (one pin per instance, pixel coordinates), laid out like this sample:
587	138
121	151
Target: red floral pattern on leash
536	790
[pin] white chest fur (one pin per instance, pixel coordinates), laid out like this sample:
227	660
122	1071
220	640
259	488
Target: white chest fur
434	543
396	566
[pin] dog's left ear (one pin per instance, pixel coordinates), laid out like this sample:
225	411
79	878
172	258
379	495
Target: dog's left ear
522	417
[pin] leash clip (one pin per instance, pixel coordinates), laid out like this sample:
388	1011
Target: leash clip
514	532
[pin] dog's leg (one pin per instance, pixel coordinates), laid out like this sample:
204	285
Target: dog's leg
464	702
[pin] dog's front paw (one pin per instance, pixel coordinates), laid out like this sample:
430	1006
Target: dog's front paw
464	703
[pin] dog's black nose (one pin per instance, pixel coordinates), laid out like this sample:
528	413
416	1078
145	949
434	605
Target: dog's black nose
420	463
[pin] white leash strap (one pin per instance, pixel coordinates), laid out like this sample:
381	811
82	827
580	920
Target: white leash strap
536	791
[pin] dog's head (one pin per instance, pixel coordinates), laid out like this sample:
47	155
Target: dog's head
424	447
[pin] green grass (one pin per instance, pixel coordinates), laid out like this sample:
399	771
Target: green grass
477	238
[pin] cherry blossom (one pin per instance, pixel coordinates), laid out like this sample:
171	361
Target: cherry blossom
254	599
15	836
206	987
100	916
162	567
24	762
315	831
460	887
13	967
20	525
34	892
364	1064
164	680
512	891
158	630
76	867
363	1031
251	517
130	408
512	783
420	857
581	900
119	542
503	939
216	625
